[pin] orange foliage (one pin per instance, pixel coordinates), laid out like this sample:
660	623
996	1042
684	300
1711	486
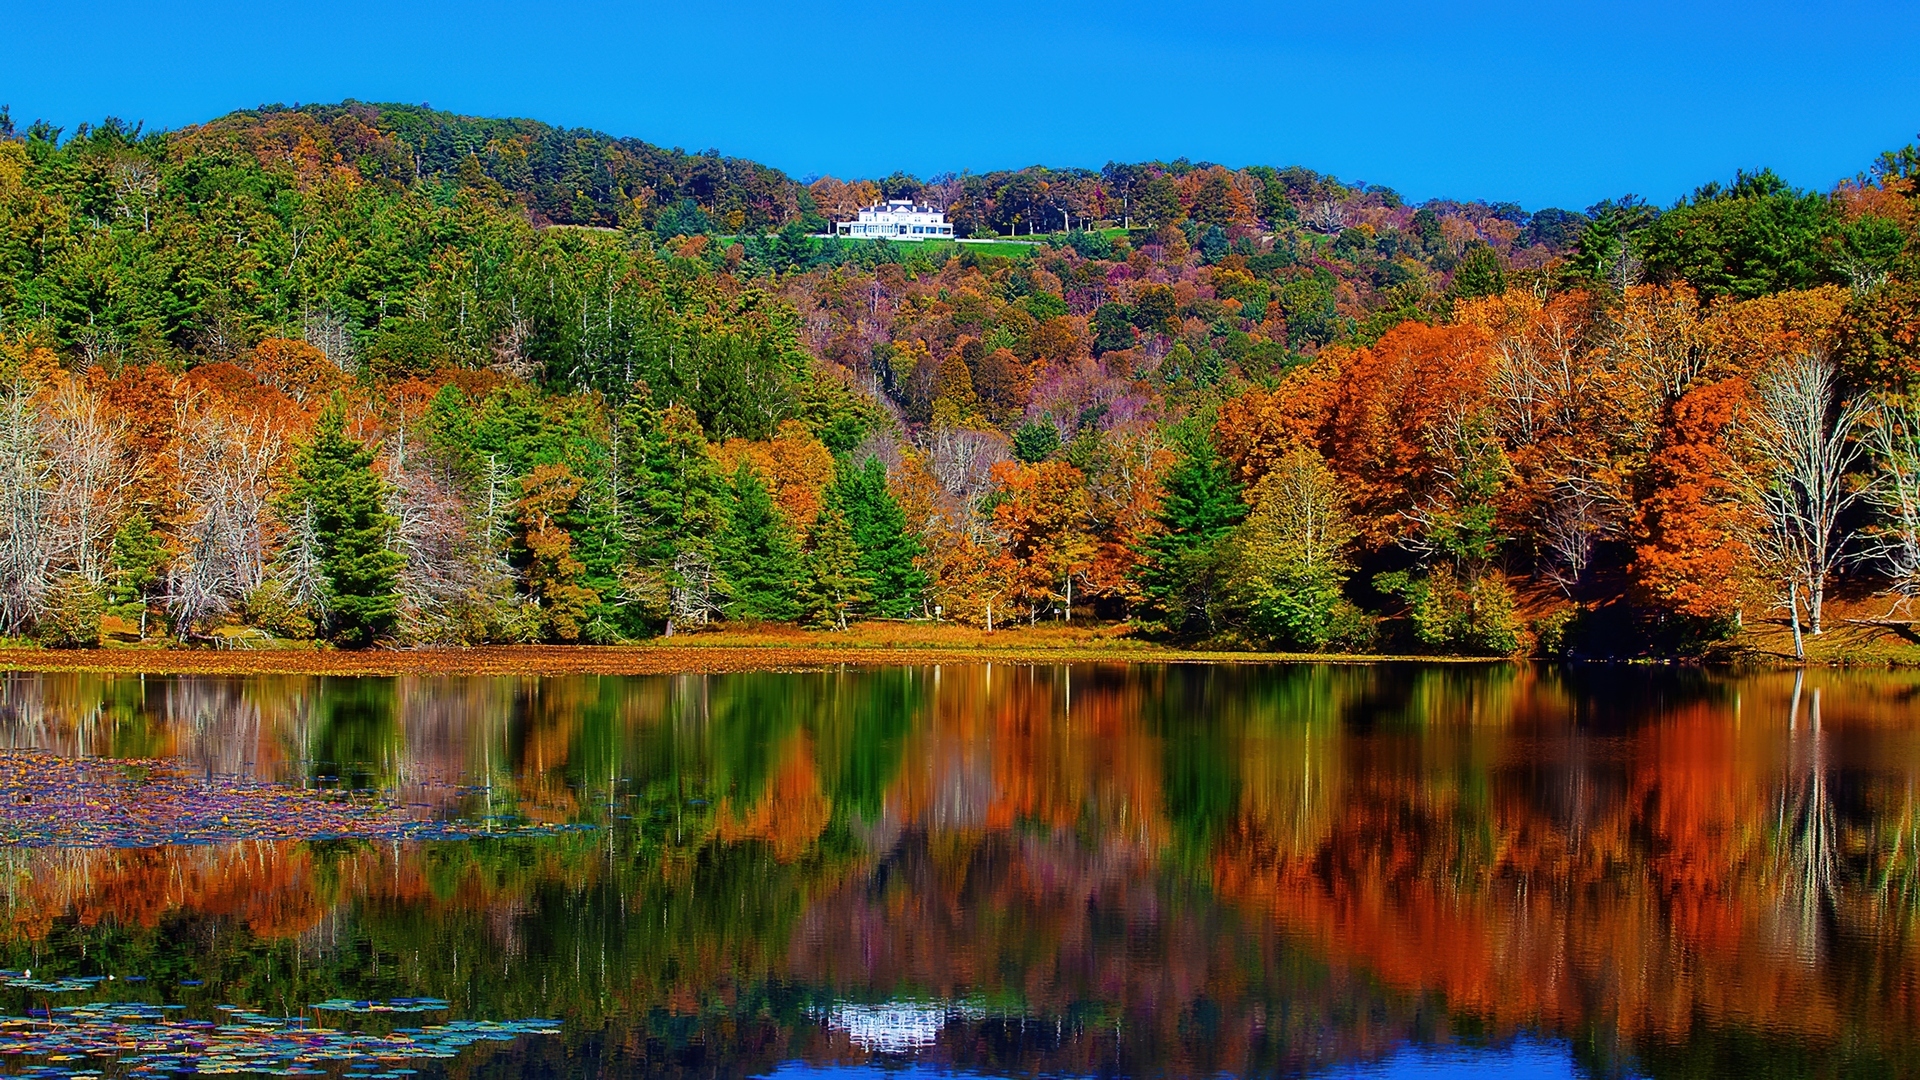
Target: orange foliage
295	368
1043	520
1389	411
1260	427
1692	556
795	466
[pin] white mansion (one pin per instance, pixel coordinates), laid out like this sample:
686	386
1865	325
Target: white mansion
897	219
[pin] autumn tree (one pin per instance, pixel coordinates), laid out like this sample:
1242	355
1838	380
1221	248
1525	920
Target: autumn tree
1694	558
555	578
1042	516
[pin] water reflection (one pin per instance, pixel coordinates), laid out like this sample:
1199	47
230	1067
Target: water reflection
1180	870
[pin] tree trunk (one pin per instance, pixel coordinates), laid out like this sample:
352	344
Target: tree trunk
1793	605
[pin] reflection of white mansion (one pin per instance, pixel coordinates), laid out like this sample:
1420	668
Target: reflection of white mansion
898	219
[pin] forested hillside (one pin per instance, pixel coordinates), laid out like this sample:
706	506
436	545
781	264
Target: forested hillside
377	374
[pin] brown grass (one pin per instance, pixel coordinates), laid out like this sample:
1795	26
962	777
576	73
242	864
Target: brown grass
735	648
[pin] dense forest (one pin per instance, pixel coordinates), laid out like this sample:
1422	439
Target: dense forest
378	374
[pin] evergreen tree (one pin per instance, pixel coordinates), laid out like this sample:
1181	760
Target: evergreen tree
757	556
1181	564
334	481
133	565
834	586
887	548
672	505
1036	442
676	493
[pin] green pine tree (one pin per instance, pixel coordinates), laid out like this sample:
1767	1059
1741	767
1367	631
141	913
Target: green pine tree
132	567
673	503
887	547
833	588
757	556
334	479
1180	573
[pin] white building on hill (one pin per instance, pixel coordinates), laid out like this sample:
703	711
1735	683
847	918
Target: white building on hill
897	219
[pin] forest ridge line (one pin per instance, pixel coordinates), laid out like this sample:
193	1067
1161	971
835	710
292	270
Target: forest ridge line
376	374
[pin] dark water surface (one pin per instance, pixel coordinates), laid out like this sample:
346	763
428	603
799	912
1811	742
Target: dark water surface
1385	870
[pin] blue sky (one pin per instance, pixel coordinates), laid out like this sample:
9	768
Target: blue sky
1547	103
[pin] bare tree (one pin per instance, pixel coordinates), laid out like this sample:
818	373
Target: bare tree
961	458
26	490
224	464
435	536
1803	436
332	336
1326	216
1578	515
91	479
1893	435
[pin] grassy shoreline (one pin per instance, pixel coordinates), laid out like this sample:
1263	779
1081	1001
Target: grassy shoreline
754	649
879	644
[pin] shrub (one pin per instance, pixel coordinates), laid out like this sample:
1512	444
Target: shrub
1471	617
72	620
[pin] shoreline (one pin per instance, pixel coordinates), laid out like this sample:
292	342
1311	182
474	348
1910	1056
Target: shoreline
675	659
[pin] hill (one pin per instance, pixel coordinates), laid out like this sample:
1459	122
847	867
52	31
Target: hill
369	372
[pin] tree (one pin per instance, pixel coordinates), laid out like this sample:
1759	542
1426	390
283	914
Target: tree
1180	571
677	504
1289	558
133	564
888	549
334	481
1693	557
1755	236
1804	437
834	587
756	555
1042	517
1035	442
554	577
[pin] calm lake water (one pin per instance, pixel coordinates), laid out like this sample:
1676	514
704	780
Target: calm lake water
1383	870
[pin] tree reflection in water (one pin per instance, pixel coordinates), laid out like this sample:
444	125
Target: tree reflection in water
1178	870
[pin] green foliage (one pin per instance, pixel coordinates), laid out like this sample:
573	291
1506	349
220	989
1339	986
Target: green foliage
756	554
1036	441
1480	272
334	481
888	548
271	608
1605	253
1182	568
1474	616
834	586
1288	560
133	565
838	415
1754	237
1555	633
676	494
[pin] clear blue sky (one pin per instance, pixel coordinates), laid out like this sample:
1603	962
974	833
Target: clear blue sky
1547	103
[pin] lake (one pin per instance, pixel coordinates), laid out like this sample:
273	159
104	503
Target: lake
1339	870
